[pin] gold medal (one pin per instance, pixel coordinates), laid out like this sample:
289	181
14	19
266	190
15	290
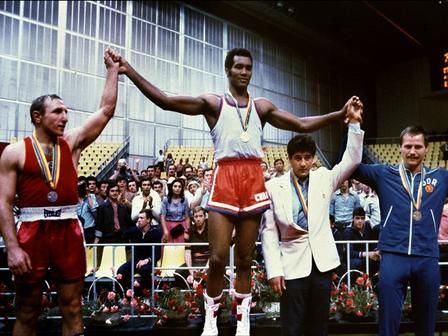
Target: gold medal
417	215
245	136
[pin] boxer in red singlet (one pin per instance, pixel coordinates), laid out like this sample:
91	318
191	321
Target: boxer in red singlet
41	170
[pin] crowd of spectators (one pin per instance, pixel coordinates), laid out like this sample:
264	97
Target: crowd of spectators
166	202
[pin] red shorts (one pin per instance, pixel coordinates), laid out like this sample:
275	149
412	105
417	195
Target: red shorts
54	244
238	188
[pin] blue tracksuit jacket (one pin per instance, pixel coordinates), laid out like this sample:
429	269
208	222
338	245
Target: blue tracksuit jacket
399	232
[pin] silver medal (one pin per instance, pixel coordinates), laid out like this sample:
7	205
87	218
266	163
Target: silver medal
52	196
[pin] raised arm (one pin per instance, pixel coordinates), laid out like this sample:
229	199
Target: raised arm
80	137
18	260
204	104
288	121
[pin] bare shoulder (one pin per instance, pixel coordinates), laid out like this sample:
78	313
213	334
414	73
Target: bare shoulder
13	156
212	100
263	105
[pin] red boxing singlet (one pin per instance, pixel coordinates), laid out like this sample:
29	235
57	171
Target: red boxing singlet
32	187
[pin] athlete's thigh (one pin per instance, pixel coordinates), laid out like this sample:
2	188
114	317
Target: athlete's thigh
246	234
220	229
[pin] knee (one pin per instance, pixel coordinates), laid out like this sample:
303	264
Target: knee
28	313
70	307
217	261
243	261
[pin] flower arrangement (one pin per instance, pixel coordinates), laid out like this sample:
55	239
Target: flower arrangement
357	302
262	293
172	304
110	309
6	302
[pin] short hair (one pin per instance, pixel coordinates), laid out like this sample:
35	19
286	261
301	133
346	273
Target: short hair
277	160
91	178
137	183
39	104
228	63
157	182
358	212
144	179
148	213
110	185
199	208
82	189
102	182
188	166
413	131
301	143
121	178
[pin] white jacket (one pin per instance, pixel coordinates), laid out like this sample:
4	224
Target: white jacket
293	258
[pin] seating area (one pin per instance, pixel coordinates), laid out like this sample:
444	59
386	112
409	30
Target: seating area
390	153
273	153
193	153
95	157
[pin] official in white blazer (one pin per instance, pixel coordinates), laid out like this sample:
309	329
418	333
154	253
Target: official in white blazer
298	245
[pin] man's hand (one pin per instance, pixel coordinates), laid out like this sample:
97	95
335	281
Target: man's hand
165	236
277	284
141	263
110	61
374	255
354	109
18	261
123	64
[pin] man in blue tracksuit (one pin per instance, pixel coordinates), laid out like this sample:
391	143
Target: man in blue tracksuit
411	201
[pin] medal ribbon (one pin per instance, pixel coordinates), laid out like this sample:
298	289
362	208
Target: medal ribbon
245	122
405	182
52	177
299	192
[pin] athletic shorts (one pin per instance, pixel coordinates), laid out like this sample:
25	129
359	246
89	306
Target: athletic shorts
54	244
238	188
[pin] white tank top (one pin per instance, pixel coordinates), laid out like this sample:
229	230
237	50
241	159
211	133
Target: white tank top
227	133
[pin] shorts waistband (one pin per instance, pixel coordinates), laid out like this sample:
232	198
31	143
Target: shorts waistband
227	161
32	214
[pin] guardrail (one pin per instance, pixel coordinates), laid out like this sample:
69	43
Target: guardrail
93	279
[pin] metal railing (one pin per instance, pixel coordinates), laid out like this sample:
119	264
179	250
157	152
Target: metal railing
93	279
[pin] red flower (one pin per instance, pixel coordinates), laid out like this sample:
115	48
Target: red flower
349	303
360	281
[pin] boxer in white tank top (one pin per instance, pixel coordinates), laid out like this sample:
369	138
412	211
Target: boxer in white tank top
237	141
